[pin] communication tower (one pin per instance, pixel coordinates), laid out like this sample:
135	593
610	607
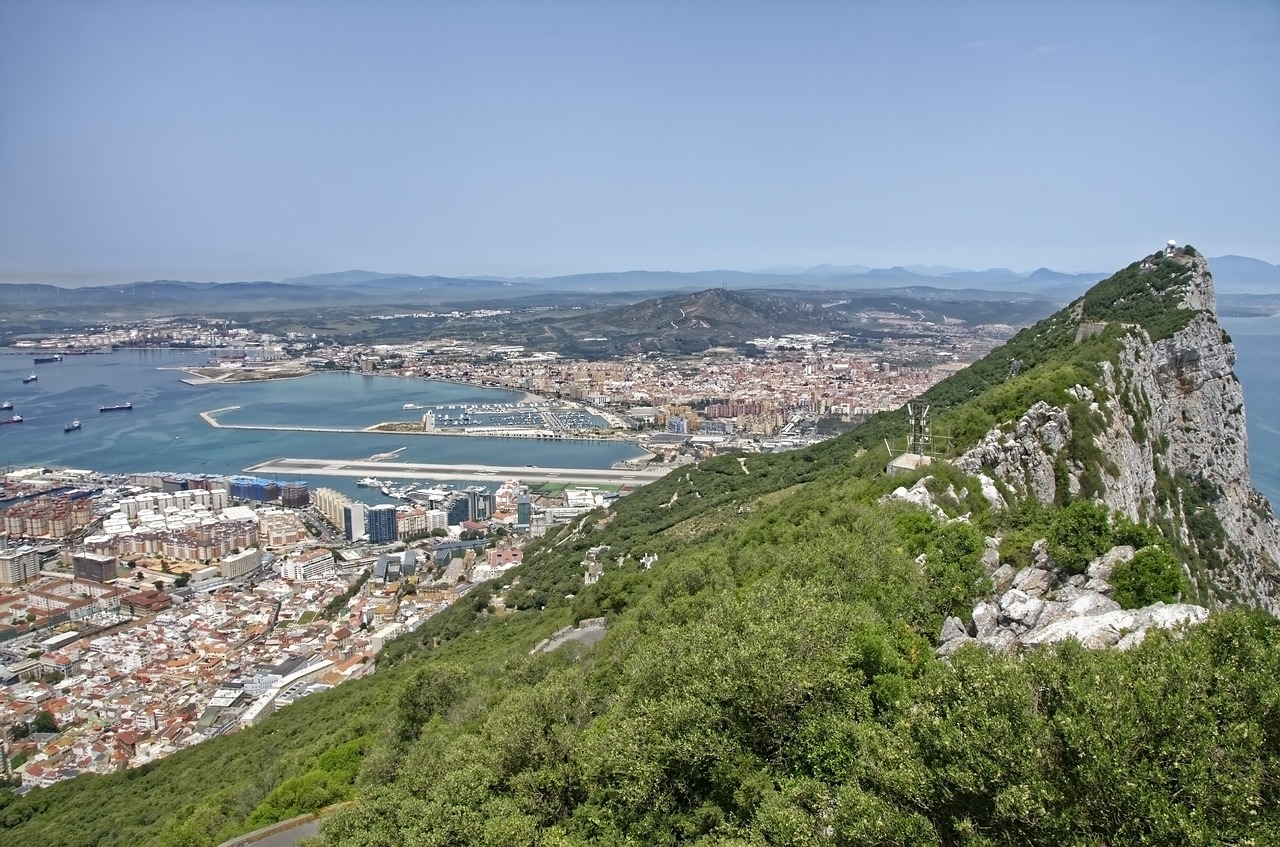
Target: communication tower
920	437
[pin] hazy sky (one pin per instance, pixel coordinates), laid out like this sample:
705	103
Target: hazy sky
259	140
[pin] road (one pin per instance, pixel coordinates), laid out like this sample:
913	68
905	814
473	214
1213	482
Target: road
481	473
290	836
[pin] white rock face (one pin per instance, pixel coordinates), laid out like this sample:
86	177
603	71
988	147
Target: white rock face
1021	620
919	495
1172	406
1033	581
1024	458
1105	565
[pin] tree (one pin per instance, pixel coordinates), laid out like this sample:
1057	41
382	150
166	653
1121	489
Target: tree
159	585
182	581
44	722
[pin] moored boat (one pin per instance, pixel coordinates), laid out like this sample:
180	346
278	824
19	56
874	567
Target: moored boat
44	360
6	405
123	407
31	378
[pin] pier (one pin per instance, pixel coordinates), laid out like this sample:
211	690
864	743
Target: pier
481	473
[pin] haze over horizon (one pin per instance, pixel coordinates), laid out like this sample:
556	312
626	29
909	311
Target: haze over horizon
245	141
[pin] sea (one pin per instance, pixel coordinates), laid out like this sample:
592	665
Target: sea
1257	343
164	431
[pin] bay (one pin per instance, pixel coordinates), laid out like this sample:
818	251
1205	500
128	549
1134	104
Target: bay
165	432
1257	343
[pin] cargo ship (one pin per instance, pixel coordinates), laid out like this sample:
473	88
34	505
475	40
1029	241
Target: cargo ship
14	419
73	426
123	407
44	360
31	378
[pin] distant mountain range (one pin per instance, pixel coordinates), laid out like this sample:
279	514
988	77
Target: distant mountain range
1236	276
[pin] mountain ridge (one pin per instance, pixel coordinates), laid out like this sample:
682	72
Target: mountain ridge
772	678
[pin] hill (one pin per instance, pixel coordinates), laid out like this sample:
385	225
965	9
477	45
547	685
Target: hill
722	317
774	675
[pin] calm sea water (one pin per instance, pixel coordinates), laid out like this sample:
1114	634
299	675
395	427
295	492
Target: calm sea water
1257	342
164	430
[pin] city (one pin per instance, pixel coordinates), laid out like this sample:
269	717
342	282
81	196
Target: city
149	612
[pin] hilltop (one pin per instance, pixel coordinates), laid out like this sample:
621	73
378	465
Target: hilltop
773	676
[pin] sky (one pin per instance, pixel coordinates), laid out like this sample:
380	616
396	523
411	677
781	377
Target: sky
256	140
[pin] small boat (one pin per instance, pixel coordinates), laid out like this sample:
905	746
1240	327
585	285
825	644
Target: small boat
31	378
14	419
6	405
368	482
123	407
72	427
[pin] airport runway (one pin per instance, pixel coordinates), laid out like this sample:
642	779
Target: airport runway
480	473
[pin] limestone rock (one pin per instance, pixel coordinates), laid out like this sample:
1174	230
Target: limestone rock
990	493
1101	586
1002	579
1094	631
1171	615
1020	609
1181	389
952	629
919	495
986	619
1092	603
1105	565
1033	581
1000	641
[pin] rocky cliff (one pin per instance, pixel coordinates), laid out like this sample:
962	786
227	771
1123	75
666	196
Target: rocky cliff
1159	435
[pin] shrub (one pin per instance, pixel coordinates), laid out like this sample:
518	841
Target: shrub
1078	533
1151	576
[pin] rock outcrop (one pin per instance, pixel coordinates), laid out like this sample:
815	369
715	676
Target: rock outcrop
1167	432
1045	606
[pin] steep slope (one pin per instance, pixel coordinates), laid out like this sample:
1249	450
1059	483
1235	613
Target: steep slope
1158	435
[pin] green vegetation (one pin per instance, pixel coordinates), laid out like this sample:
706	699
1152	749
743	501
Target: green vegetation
44	722
1152	575
1147	297
772	679
1079	533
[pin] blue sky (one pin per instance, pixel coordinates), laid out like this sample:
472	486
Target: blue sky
261	140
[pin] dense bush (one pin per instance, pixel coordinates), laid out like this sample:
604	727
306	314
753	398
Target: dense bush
1078	533
1152	575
